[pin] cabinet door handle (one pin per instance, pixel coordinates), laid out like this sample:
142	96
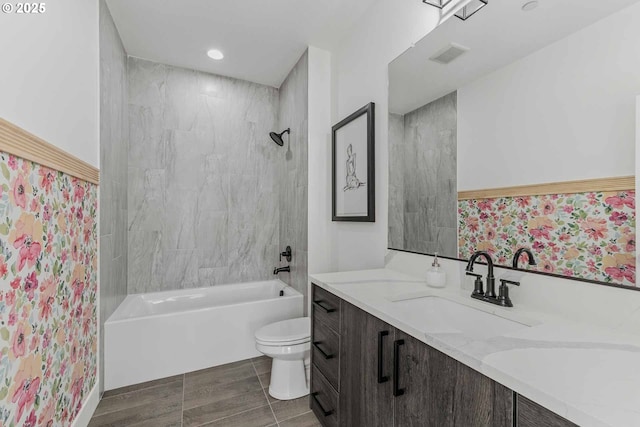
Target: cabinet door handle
381	378
316	344
324	411
397	391
320	303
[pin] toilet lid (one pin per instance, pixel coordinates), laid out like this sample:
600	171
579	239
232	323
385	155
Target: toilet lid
285	331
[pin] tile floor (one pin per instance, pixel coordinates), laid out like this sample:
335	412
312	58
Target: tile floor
233	395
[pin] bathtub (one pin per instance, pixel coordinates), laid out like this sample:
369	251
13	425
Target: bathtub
157	335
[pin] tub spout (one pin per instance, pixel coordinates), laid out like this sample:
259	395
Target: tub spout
286	269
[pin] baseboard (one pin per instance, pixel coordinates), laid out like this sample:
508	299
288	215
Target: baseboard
89	407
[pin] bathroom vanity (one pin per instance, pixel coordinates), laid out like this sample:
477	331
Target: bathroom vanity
384	353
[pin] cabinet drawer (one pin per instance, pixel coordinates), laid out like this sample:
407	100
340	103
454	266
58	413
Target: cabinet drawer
326	308
324	400
325	351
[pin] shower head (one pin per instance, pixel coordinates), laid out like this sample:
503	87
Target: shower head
277	137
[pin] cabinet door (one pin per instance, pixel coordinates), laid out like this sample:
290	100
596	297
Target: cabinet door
438	391
427	380
363	400
531	414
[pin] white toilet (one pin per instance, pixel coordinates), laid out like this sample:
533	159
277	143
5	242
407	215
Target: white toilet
287	342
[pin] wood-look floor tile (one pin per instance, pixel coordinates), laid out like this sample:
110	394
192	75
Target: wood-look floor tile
265	380
203	393
174	419
167	393
259	417
162	413
219	375
141	386
307	420
223	404
263	366
286	409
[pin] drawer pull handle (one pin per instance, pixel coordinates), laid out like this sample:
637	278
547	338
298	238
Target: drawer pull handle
381	377
397	391
316	344
324	411
322	305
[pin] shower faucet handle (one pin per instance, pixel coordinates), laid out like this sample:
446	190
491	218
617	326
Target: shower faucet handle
286	254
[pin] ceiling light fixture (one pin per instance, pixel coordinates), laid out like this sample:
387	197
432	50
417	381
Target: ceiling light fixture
437	3
215	54
530	5
471	8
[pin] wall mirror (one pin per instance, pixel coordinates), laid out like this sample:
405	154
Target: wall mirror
517	128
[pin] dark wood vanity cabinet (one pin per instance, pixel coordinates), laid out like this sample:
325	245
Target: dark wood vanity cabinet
326	313
440	391
366	353
367	373
530	414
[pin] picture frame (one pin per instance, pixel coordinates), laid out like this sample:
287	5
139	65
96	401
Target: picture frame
353	167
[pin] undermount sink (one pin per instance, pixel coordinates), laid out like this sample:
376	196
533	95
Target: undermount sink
436	315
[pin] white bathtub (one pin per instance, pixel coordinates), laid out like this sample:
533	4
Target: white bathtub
152	336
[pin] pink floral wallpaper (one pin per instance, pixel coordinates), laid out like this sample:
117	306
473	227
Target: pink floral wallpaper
48	285
587	235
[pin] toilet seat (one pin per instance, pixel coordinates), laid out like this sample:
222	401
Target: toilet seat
285	333
283	343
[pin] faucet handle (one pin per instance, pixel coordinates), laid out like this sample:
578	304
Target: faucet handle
503	292
286	254
509	282
478	287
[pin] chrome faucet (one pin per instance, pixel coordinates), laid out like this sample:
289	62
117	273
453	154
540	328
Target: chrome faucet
478	292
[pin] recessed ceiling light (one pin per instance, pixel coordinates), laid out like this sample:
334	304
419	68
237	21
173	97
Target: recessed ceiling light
530	5
215	54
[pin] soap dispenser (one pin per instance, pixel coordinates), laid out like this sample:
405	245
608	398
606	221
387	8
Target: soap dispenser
436	276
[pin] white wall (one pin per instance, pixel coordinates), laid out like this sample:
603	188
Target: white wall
49	75
320	238
563	113
359	76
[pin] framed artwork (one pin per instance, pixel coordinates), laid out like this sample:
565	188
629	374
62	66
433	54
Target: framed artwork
353	167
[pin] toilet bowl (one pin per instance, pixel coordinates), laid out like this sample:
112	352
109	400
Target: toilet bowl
287	343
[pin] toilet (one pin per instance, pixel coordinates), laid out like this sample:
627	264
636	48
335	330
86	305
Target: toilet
287	343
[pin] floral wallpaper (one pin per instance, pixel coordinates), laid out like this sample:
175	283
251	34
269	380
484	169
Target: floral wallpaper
48	285
587	235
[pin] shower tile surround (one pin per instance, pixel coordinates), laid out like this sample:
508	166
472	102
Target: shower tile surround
114	133
292	179
423	178
205	180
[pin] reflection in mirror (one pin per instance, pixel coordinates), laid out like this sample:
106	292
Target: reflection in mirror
525	140
423	191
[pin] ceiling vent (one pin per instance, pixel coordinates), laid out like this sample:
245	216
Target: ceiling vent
449	54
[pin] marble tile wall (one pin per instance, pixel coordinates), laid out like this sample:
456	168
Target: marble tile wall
293	177
203	179
396	181
114	132
426	171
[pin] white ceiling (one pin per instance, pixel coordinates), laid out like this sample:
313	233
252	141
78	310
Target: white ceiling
497	35
261	39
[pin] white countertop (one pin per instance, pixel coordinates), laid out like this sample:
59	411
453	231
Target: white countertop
587	374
